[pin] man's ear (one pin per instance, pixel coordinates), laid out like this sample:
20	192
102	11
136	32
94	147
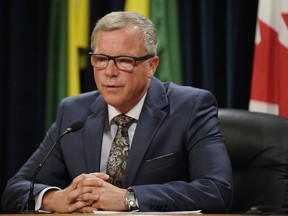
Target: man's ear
154	62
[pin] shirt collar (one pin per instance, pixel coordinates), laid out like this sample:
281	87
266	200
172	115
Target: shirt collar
134	112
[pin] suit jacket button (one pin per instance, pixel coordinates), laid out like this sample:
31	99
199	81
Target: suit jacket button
19	206
152	207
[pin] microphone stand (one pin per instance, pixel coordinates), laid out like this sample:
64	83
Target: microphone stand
31	198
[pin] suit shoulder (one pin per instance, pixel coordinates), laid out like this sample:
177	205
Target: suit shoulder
83	98
174	90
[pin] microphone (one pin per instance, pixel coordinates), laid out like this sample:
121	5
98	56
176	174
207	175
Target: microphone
31	200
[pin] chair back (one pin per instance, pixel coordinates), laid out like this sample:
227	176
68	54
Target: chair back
257	144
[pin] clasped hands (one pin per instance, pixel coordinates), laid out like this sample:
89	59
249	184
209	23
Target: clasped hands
87	193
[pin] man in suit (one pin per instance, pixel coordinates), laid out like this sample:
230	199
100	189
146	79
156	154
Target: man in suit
177	157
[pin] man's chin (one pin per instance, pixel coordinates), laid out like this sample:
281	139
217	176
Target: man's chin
114	101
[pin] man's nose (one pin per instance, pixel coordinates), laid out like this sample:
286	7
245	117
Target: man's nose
111	70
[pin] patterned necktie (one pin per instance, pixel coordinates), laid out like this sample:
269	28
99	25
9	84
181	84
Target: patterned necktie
118	155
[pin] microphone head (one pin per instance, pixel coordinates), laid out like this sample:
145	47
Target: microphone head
75	126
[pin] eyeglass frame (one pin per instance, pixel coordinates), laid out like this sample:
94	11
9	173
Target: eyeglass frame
136	59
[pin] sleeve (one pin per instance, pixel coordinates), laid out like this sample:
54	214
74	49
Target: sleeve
210	185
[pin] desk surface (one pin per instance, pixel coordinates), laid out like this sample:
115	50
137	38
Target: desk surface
124	214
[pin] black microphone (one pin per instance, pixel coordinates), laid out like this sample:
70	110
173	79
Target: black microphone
31	200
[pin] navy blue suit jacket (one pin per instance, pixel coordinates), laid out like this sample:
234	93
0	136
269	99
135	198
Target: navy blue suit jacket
178	160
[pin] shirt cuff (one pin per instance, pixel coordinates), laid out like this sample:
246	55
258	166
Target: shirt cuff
39	197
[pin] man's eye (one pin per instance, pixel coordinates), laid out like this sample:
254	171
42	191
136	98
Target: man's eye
101	59
125	60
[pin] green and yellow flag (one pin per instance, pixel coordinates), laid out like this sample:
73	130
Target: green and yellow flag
142	6
68	43
164	15
56	84
78	42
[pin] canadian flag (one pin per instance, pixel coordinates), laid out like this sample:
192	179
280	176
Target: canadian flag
269	88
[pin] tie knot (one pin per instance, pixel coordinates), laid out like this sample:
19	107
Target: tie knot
124	121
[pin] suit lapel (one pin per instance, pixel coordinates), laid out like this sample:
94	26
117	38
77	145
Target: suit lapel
150	120
93	135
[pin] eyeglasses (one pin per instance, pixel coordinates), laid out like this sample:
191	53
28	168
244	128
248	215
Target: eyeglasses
126	63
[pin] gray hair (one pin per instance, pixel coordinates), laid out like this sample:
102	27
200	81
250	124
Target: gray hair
121	19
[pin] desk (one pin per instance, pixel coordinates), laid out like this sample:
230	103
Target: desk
124	214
